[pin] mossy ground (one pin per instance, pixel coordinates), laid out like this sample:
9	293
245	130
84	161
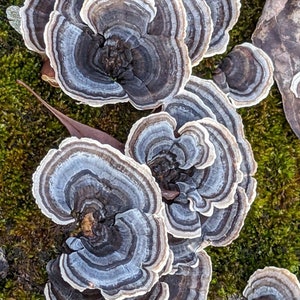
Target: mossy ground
27	131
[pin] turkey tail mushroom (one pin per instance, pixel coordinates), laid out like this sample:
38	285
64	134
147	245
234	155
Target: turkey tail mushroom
203	98
245	75
225	14
272	283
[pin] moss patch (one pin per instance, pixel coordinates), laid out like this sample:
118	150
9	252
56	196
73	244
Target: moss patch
27	131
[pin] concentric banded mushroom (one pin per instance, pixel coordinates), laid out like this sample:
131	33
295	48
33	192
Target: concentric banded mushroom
34	17
122	260
188	164
199	29
218	230
225	14
114	55
272	283
277	33
57	289
190	282
118	203
202	98
83	173
245	75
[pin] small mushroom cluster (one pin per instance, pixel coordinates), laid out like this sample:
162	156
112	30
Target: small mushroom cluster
183	180
101	52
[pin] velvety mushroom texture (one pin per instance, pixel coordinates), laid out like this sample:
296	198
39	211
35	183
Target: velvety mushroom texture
34	17
225	14
202	98
57	289
115	56
218	230
201	160
245	75
121	260
118	204
277	33
83	173
272	283
199	29
190	282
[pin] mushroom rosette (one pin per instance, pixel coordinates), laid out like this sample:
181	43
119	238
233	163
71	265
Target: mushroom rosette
111	51
201	99
198	166
123	247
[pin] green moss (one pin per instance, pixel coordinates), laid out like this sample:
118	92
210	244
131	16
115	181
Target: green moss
27	131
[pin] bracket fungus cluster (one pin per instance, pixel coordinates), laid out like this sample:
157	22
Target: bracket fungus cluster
101	52
202	164
185	179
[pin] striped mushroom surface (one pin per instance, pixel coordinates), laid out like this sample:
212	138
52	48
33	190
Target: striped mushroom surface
272	283
123	247
225	14
245	75
113	57
202	98
200	161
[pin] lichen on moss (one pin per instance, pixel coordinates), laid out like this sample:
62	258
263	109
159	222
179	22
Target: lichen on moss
27	131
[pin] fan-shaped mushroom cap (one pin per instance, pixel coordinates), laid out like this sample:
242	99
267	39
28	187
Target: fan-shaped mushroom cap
114	56
122	260
154	135
225	14
218	230
57	289
224	226
277	33
190	282
34	17
202	98
187	163
199	29
272	283
245	75
83	173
